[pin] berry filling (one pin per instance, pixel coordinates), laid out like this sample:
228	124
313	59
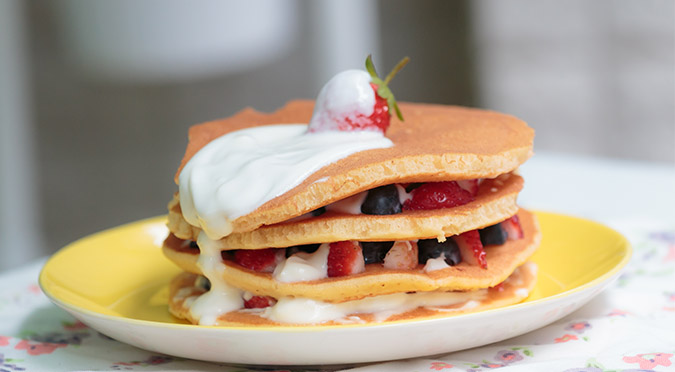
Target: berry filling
375	252
432	248
263	260
351	257
382	200
471	248
396	198
345	258
259	302
436	195
340	259
513	229
493	235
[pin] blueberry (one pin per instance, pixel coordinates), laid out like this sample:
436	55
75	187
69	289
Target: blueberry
431	248
493	235
374	252
308	248
193	245
382	200
318	212
203	282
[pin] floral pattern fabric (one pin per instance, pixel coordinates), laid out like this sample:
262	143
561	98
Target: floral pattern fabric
628	327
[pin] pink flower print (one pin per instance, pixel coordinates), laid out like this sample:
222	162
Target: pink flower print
671	253
38	348
670	297
617	312
437	366
492	365
649	361
508	356
4	340
74	326
565	338
578	327
34	289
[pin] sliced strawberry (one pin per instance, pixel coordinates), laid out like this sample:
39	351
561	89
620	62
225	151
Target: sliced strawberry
471	249
345	258
513	229
259	302
469	185
263	260
436	195
402	256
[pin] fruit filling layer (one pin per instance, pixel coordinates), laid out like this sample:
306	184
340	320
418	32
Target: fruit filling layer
392	199
396	198
329	260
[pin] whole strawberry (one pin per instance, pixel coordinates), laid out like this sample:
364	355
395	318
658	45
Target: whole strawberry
356	100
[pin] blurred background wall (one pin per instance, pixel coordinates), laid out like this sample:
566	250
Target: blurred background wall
96	97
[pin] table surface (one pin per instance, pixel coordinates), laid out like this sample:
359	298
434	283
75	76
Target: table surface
628	327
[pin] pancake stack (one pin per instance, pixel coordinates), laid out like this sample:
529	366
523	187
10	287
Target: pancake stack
332	249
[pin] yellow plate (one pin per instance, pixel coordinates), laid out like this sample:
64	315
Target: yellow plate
116	282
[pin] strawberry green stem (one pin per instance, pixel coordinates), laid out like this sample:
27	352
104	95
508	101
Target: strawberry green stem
396	69
382	88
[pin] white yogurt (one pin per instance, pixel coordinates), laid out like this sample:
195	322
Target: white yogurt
303	310
235	174
303	266
222	297
434	264
403	195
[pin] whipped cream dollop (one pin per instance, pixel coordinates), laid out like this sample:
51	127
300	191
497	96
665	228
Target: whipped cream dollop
346	97
240	171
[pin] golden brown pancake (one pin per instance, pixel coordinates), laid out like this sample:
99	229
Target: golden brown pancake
376	280
513	290
435	143
495	201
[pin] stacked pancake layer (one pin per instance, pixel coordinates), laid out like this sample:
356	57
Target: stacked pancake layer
435	144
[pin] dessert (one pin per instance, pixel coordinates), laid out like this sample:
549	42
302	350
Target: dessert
336	211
